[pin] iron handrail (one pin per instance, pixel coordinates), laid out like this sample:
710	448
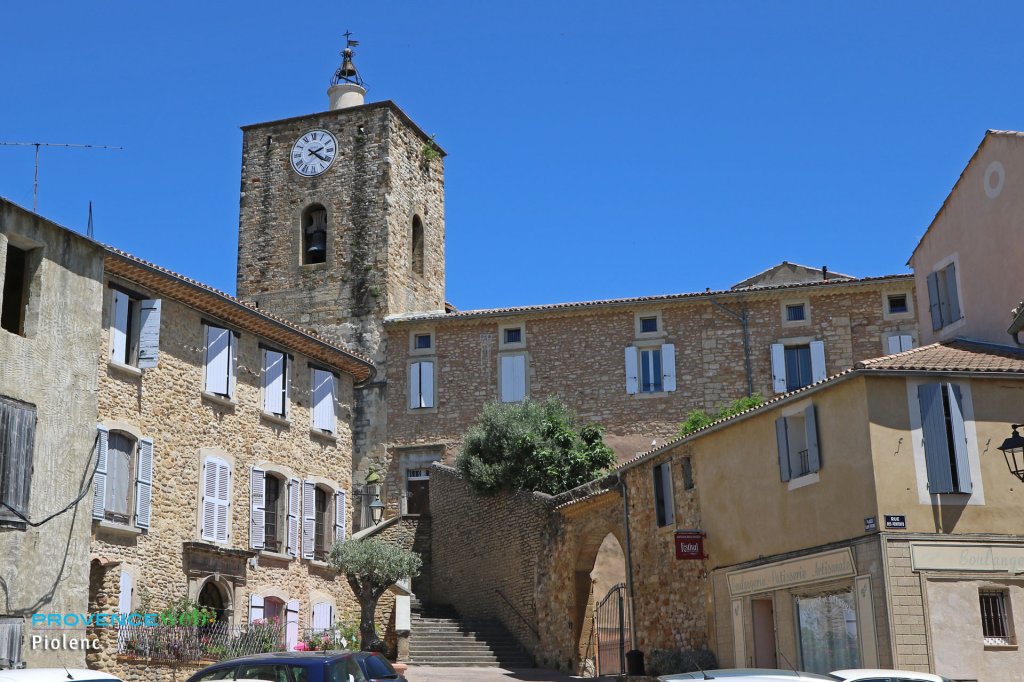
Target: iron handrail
516	611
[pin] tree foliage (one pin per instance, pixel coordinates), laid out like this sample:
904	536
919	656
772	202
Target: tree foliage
532	445
371	567
698	419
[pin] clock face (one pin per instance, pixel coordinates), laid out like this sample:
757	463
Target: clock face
314	152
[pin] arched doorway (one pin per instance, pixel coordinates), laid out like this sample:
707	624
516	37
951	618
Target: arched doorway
604	635
213	596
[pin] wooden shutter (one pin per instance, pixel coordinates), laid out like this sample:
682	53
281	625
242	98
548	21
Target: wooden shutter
956	421
308	518
273	382
149	333
426	384
513	378
218	361
216	491
414	385
934	302
906	342
782	442
818	372
952	293
778	368
257	508
144	483
668	367
323	616
256	608
811	427
895	344
99	479
223	501
340	516
119	327
632	367
17	442
323	401
124	597
291	619
936	445
294	507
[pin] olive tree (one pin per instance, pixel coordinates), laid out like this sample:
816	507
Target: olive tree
371	567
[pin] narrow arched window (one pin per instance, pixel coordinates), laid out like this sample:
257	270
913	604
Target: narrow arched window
314	234
417	245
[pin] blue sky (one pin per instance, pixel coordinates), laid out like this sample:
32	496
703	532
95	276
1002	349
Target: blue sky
596	149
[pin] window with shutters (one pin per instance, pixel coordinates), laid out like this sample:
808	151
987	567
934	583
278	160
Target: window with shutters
943	297
273	610
797	363
321	538
324	391
797	443
897	343
421	385
664	506
996	620
221	348
276	382
650	369
134	329
19	285
512	377
215	509
275	513
120	470
11	635
123	481
947	459
17	444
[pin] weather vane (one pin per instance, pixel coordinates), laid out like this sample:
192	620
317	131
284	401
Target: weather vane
347	73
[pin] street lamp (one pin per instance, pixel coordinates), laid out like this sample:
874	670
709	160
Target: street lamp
1013	451
377	510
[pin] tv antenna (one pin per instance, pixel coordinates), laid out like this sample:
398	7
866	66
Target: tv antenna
37	145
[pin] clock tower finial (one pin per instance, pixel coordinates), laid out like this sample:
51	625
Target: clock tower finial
347	87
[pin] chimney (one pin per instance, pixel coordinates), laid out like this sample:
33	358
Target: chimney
347	87
824	273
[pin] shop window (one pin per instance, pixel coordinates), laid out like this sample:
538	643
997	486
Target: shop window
828	631
995	620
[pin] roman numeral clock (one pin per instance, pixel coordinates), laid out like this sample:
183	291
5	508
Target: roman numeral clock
314	152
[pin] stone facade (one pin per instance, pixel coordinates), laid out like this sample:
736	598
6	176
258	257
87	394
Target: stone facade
44	372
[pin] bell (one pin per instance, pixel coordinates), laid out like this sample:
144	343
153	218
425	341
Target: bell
317	249
348	69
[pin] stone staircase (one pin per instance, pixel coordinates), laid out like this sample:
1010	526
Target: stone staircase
439	637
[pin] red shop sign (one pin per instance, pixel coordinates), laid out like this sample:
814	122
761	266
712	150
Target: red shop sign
689	545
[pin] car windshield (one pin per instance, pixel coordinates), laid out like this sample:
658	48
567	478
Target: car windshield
378	668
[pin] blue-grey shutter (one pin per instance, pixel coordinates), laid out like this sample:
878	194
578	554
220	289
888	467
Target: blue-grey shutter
308	519
144	483
340	516
813	454
119	326
936	446
778	368
149	333
257	508
956	420
632	380
934	304
951	290
294	511
783	444
99	479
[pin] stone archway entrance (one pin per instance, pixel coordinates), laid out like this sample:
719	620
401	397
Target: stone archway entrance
212	597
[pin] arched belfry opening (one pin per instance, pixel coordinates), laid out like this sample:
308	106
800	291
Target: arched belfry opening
417	245
314	235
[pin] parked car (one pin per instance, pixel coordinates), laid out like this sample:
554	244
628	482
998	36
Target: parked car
301	666
56	675
877	675
749	675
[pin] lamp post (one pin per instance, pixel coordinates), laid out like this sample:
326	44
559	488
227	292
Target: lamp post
1013	451
377	510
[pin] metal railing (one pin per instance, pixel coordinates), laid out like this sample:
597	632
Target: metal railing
516	611
612	625
214	642
805	462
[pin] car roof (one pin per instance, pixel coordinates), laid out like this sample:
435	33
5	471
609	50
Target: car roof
292	656
856	673
747	674
53	675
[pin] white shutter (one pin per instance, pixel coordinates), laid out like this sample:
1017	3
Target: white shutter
223	501
99	479
256	610
632	382
124	599
778	368
507	380
294	496
426	384
208	511
340	516
519	376
144	483
257	508
291	618
818	361
149	333
323	401
414	385
119	326
308	518
218	363
906	342
273	382
894	344
668	367
323	616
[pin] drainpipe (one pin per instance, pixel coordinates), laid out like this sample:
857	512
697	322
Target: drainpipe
742	317
629	561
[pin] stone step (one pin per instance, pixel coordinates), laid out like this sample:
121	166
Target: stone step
439	637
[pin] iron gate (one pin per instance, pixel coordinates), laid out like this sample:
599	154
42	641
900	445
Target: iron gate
612	624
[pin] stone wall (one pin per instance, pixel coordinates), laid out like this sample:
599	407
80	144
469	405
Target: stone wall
52	368
413	533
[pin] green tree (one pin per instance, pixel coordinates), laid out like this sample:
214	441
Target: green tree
531	445
371	567
698	419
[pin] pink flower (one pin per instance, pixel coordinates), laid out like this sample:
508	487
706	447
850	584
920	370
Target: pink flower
301	646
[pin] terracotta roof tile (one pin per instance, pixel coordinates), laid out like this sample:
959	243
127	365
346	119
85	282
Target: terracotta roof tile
959	355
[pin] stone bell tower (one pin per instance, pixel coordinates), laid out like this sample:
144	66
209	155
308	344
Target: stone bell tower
341	223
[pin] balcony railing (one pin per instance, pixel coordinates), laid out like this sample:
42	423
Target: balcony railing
212	642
